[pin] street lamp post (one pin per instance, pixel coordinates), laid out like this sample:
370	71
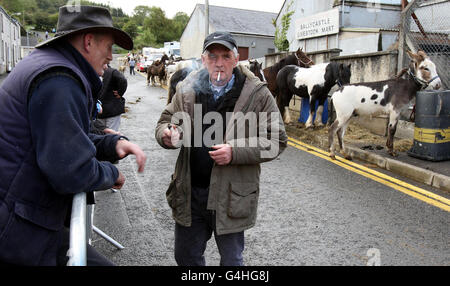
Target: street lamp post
26	31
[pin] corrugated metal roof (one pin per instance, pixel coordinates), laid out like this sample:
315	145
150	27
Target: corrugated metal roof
240	20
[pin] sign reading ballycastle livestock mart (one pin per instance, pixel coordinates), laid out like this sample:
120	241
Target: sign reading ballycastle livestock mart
320	24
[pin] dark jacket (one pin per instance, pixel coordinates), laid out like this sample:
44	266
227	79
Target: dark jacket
112	106
46	152
201	162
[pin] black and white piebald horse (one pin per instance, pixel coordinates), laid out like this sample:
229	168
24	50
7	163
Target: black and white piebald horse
176	78
314	83
381	97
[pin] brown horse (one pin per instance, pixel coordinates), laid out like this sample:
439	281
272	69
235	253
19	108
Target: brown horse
299	58
158	68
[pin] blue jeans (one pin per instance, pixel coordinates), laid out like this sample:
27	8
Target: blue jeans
190	242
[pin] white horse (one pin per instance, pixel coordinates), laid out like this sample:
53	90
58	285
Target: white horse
381	97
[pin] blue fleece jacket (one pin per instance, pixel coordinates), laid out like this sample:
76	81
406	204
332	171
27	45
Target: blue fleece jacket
59	121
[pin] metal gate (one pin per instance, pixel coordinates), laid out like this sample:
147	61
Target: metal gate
425	26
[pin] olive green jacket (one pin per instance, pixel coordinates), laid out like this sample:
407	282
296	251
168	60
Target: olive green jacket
234	188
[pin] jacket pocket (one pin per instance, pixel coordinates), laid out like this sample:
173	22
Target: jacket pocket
44	218
172	195
242	199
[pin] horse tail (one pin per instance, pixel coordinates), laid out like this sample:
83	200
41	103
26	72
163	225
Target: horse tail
276	91
331	117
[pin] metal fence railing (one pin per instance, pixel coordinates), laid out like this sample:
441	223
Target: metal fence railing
78	238
81	227
426	26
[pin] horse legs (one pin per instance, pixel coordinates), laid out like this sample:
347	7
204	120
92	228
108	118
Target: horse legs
319	112
338	128
286	101
331	134
341	133
148	78
287	116
312	106
393	121
281	105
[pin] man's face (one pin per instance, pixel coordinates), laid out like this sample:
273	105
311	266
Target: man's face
219	59
100	52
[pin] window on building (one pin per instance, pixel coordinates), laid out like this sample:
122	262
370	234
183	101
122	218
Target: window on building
270	51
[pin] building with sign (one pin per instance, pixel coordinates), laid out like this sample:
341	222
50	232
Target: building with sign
355	27
10	45
252	30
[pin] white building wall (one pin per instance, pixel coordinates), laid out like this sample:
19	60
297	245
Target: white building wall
191	41
357	14
10	42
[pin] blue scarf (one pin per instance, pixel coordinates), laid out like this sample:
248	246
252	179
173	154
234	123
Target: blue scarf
218	91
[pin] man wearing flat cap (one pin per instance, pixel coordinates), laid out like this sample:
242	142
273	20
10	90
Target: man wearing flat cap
215	186
47	153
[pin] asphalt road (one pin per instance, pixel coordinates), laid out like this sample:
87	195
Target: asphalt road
311	212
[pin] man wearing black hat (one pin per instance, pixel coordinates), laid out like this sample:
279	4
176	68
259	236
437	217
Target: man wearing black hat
215	186
47	153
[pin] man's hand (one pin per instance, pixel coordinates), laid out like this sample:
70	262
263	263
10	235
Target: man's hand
124	148
171	137
119	182
116	94
222	155
111	131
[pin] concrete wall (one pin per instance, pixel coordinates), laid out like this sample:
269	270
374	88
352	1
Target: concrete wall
371	67
258	46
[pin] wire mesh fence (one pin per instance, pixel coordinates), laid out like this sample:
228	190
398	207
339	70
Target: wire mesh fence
427	27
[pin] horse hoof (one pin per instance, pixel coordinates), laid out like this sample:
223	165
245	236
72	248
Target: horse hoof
319	125
333	157
348	157
393	154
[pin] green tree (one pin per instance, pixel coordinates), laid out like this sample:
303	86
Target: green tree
140	13
180	21
159	25
42	21
131	28
281	41
145	39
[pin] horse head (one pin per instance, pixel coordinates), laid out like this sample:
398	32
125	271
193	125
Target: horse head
164	58
256	69
423	70
302	58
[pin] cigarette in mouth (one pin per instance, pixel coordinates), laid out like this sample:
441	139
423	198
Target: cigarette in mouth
218	77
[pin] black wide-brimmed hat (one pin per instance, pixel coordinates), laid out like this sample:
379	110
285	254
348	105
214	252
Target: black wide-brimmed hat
74	19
